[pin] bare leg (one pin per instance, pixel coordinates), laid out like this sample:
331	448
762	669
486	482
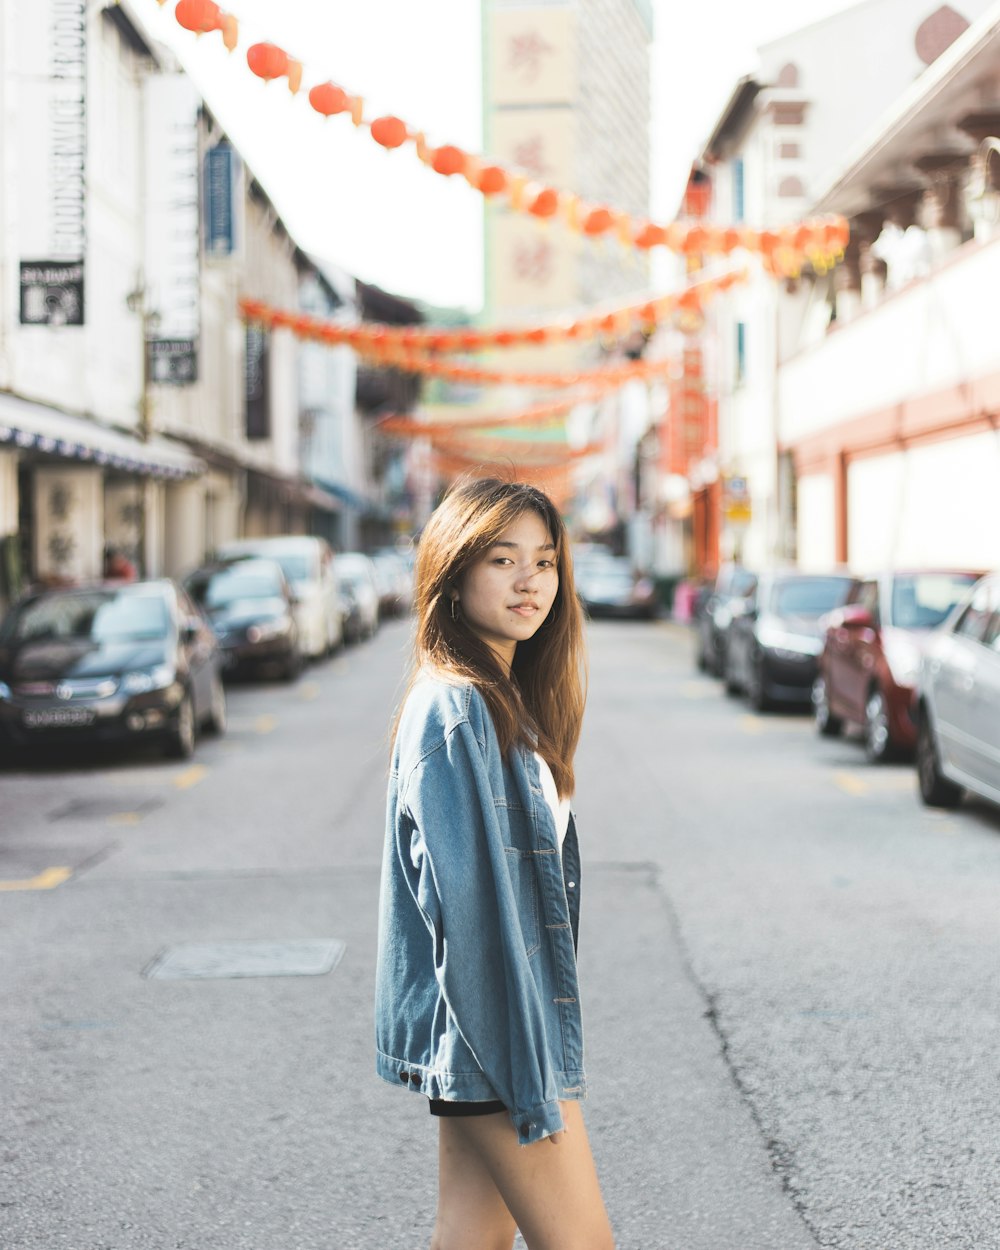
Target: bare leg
551	1190
471	1214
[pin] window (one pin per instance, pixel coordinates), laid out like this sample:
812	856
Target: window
923	600
741	353
974	620
739	194
868	598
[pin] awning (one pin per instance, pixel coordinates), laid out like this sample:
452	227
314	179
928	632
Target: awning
37	427
353	500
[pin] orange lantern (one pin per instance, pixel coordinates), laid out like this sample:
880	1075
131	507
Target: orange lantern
545	203
448	160
650	236
201	16
267	61
391	132
597	221
731	239
492	180
540	334
694	241
504	338
230	31
329	99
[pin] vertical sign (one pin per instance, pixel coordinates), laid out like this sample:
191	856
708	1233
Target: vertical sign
689	413
51	127
172	254
220	200
257	383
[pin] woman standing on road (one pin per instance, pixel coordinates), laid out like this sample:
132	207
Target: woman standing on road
477	1000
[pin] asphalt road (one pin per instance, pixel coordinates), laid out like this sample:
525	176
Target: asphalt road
789	973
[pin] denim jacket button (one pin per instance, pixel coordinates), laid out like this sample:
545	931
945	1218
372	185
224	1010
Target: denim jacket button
570	885
404	1077
525	1129
415	1079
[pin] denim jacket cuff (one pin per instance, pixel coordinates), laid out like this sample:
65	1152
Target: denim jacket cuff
538	1122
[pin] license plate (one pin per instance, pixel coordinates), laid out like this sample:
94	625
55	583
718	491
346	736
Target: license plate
58	717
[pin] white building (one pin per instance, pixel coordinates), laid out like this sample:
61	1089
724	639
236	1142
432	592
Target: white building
771	153
889	409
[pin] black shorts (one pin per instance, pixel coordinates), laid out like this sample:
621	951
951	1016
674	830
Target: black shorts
440	1106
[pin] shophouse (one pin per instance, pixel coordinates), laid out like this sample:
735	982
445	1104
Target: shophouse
890	409
769	160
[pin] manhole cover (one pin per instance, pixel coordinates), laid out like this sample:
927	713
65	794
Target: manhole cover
201	961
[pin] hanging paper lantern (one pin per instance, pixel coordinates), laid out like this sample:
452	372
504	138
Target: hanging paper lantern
731	239
597	221
448	160
545	203
492	180
694	241
391	132
650	236
267	61
201	16
329	99
230	31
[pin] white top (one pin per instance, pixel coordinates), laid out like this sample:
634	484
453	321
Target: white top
560	807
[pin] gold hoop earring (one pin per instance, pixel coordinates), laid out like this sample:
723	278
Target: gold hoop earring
454	609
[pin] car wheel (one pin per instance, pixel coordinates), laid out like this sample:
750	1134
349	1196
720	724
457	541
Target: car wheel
732	683
180	742
700	659
935	789
827	725
756	691
217	714
878	740
293	666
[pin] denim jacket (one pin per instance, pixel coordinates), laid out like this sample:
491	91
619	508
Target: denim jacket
476	984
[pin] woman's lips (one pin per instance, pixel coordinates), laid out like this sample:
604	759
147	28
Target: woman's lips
525	609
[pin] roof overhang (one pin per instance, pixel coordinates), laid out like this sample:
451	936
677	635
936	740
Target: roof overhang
733	117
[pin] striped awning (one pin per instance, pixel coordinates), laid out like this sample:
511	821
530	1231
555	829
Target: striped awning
31	426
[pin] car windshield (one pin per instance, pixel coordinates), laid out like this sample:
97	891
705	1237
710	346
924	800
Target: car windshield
810	597
295	566
923	600
236	583
99	616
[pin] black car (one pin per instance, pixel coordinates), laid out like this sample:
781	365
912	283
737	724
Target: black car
775	637
251	608
109	662
714	616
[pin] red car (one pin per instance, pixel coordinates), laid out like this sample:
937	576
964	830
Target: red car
871	655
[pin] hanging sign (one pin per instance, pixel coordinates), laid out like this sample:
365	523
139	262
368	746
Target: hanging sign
51	137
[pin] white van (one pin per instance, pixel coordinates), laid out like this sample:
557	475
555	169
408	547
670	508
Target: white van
308	564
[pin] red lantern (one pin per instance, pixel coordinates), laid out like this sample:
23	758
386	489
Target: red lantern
694	241
201	16
540	334
329	99
267	61
545	203
492	180
504	338
448	160
391	132
597	221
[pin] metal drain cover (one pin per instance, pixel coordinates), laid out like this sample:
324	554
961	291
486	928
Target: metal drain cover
193	961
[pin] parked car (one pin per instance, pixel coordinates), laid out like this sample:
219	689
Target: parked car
612	588
958	702
871	655
775	636
395	582
310	568
713	616
110	662
252	609
359	585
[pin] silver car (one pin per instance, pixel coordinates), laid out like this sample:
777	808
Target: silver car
958	702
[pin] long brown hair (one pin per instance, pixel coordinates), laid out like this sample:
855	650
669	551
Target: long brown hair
544	694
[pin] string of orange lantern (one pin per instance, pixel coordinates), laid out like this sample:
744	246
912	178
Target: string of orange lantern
537	415
818	241
396	356
620	319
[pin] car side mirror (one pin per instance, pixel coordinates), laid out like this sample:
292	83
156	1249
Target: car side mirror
854	616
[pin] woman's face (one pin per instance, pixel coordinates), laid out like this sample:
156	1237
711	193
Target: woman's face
507	594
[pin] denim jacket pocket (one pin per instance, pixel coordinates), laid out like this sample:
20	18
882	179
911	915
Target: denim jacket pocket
520	865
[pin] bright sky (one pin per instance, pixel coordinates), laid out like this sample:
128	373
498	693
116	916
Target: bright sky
382	215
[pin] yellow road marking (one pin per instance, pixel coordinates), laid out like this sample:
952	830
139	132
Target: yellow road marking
190	776
751	724
698	690
126	818
265	724
48	879
851	784
308	691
